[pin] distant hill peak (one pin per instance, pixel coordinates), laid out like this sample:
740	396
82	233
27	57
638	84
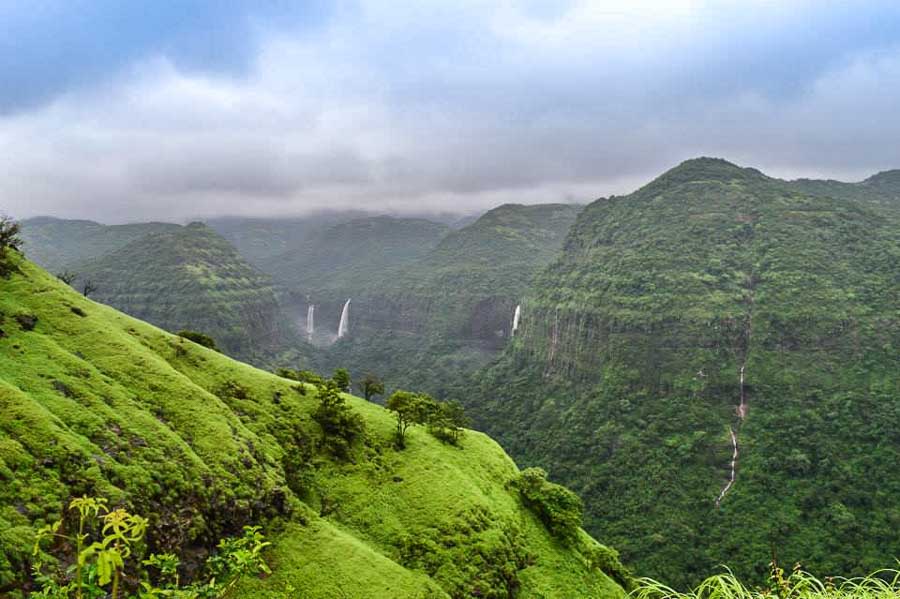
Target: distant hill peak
706	168
889	178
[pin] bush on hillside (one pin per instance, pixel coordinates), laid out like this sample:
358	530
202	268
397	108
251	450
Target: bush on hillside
199	338
558	508
341	426
607	561
341	378
447	421
9	240
302	376
410	409
108	563
370	386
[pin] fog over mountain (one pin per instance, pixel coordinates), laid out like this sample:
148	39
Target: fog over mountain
168	111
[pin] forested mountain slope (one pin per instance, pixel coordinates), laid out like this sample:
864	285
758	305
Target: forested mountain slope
95	402
60	244
882	189
716	315
191	278
437	319
354	259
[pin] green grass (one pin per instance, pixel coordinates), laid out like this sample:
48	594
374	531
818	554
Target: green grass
884	584
95	402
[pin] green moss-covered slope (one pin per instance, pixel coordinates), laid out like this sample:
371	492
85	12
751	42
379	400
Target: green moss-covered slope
93	401
626	379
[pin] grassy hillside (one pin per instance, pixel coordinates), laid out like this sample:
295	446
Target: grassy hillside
58	244
93	401
191	278
443	316
716	307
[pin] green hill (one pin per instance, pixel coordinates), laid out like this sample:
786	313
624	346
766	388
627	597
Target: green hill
191	278
436	320
716	300
882	189
59	244
93	401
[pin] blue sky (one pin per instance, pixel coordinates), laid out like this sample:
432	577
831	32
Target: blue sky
171	109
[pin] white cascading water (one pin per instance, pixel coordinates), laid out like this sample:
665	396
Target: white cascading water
310	321
516	316
742	413
344	324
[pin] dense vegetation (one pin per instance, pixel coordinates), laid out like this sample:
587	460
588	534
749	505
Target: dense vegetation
443	316
96	403
716	300
799	584
191	278
60	244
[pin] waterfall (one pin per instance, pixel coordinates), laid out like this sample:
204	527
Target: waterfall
516	316
344	324
310	321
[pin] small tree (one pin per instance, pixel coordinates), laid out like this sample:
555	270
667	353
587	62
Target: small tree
88	288
199	338
9	234
9	240
66	277
410	408
371	385
341	426
341	378
447	422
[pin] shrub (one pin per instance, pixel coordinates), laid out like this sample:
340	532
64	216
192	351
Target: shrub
303	376
558	508
199	339
409	408
447	421
341	378
371	385
9	240
340	425
100	565
607	561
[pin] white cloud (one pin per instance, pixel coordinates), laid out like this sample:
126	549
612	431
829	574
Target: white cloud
454	106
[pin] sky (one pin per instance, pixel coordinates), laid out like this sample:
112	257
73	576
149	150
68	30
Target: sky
176	109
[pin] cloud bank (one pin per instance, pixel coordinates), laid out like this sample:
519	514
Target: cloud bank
220	108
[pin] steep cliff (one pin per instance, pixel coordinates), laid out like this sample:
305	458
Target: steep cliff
435	321
712	363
